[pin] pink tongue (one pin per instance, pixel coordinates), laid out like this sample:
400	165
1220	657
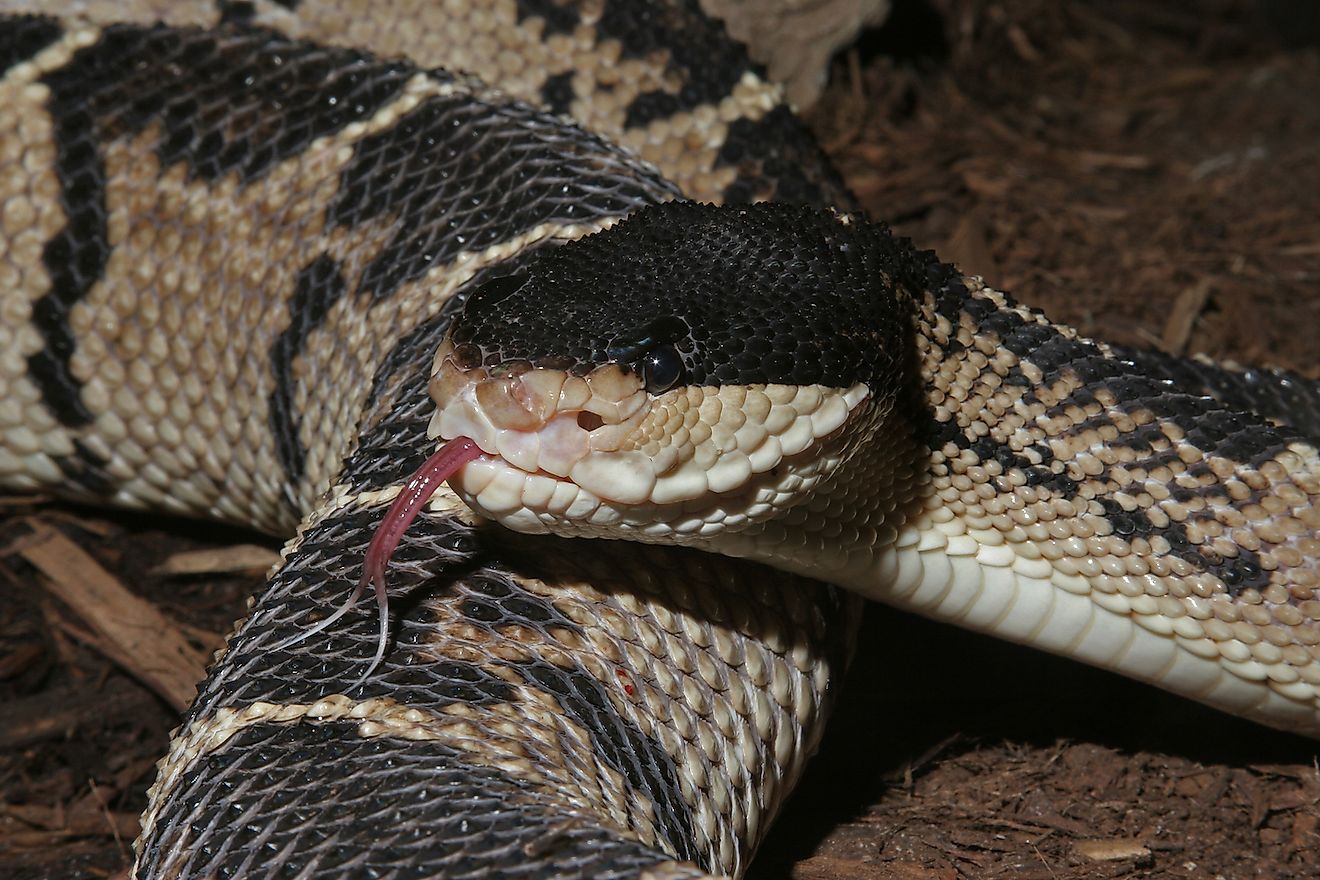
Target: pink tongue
442	465
420	487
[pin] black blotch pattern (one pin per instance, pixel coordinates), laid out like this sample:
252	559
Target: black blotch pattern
1240	572
1241	437
1237	572
1212	425
458	174
226	100
23	36
86	470
649	106
1213	405
950	298
320	285
1040	470
559	17
699	54
399	808
778	159
1278	395
557	92
1210	405
1014	333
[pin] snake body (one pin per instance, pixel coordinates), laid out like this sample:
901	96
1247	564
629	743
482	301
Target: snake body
229	256
803	389
232	245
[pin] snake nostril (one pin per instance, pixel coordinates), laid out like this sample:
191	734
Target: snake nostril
589	421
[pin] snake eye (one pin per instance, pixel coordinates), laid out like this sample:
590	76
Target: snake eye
662	367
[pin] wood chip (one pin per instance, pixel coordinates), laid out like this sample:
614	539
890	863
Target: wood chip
238	558
1092	160
136	635
1182	317
1111	850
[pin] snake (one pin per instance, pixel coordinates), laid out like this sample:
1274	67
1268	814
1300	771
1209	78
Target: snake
281	265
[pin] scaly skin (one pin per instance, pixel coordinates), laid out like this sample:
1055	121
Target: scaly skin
946	450
228	257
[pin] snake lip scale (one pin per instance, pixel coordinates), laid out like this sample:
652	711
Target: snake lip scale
259	260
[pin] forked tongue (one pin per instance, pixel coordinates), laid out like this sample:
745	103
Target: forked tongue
442	465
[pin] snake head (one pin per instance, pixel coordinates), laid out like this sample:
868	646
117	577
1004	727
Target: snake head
688	371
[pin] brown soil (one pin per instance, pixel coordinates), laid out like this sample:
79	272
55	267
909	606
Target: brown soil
1141	170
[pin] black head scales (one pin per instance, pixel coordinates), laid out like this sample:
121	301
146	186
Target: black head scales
692	294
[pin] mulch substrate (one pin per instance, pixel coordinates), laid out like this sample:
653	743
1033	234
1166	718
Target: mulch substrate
1144	171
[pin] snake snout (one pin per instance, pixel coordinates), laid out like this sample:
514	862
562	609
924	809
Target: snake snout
512	405
540	421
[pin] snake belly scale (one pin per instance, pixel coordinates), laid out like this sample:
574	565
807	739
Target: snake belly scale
235	236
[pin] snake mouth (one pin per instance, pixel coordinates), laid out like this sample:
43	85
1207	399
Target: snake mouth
596	454
548	438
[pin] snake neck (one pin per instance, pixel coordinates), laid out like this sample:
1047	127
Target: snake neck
933	448
871	484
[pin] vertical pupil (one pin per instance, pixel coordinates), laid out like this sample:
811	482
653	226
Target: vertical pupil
661	368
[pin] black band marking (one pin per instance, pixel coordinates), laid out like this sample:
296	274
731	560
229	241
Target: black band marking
75	256
648	768
86	470
259	807
226	100
320	285
496	171
23	36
